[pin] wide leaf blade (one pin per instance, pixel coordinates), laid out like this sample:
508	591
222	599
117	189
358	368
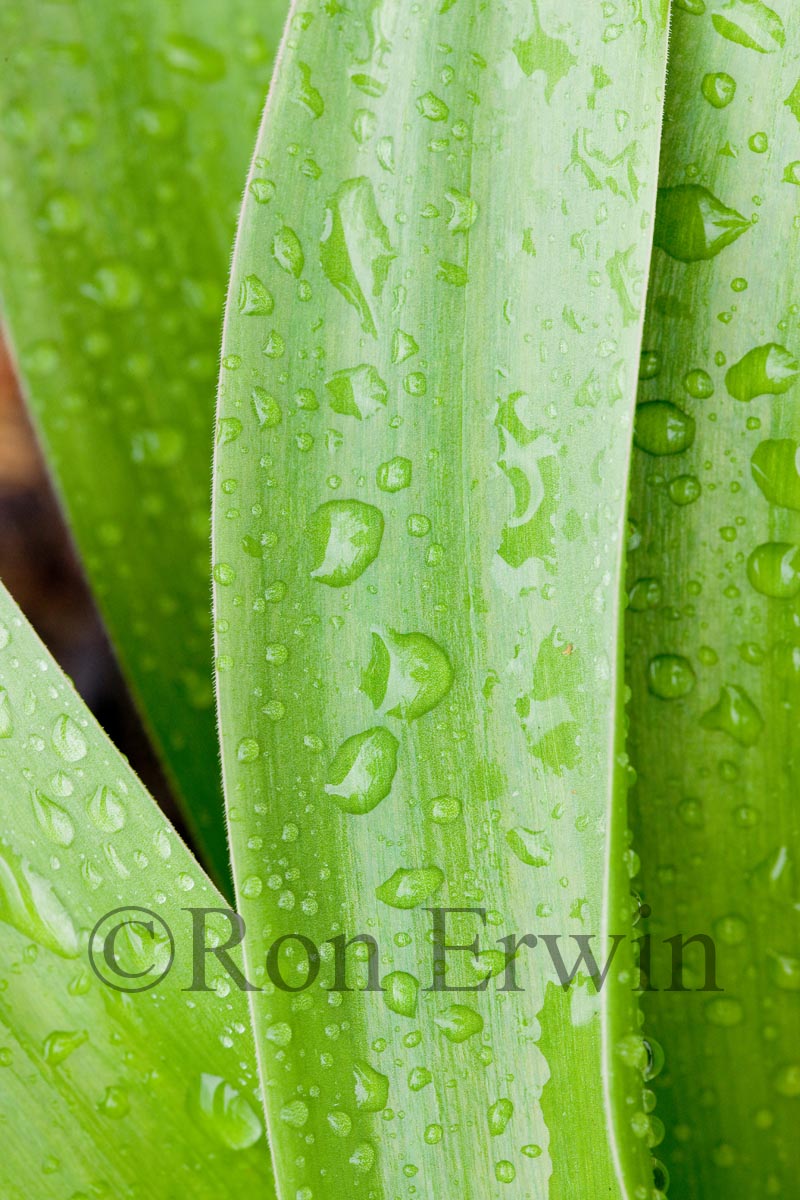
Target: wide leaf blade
125	132
419	506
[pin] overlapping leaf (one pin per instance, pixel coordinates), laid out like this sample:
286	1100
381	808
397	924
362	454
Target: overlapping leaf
713	618
105	1092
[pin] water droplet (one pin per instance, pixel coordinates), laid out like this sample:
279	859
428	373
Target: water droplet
363	1157
432	108
784	971
698	383
189	56
344	537
775	465
418	525
735	714
371	1087
400	993
115	286
394	475
340	1122
355	251
764	371
531	846
29	904
408	674
787	1080
295	1113
418	1078
500	1113
223	1113
670	676
459	1022
60	1044
684	489
410	886
115	1103
645	594
663	428
68	739
692	224
266	408
724	1011
357	392
719	89
6	719
254	298
362	770
433	1134
248	750
774	570
52	819
731	930
750	23
505	1171
106	810
444	809
288	252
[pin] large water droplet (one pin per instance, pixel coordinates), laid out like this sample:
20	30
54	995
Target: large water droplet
531	846
357	392
344	537
224	1113
719	89
764	371
61	1043
663	428
784	971
355	251
371	1087
254	298
106	810
735	714
750	23
774	570
54	821
500	1113
410	886
670	676
68	739
29	904
408	674
775	465
288	252
692	224
362	770
459	1022
400	993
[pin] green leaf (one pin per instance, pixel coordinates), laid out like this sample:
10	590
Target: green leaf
125	132
106	1092
418	578
712	627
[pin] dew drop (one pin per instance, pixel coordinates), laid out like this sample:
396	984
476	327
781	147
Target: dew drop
410	886
362	771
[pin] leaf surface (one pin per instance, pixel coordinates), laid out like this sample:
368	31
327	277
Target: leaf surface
419	506
712	624
105	1092
126	130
